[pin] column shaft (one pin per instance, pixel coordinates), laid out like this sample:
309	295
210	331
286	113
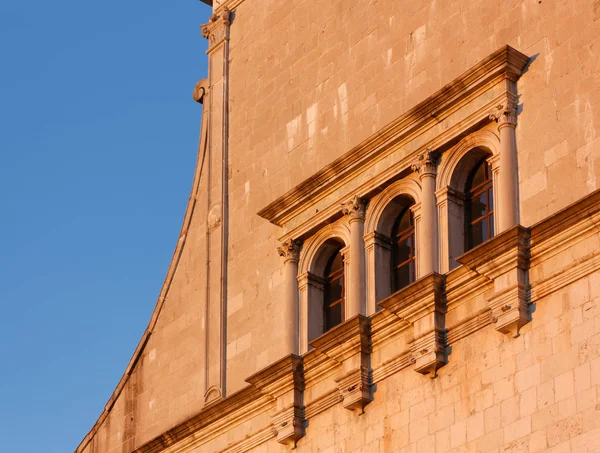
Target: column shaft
508	182
427	256
289	250
355	210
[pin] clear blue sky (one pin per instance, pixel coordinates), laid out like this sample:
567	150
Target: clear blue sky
98	141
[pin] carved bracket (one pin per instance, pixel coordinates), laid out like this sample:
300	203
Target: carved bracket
422	305
350	345
284	382
505	261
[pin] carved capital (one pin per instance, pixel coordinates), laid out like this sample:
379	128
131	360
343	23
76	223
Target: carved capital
289	250
217	28
505	115
426	163
354	208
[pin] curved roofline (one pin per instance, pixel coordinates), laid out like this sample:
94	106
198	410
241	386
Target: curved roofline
200	91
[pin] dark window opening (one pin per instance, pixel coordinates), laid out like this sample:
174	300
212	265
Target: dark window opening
479	206
403	251
333	303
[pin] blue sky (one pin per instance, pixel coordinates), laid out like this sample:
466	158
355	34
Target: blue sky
98	141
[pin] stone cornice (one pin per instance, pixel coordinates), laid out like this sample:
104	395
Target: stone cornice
509	248
417	299
280	377
345	339
506	63
220	417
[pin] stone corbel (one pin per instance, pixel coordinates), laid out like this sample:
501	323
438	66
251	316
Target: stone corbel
504	260
422	305
284	382
350	345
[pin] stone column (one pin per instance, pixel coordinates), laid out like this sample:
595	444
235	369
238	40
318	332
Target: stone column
290	251
508	183
355	210
426	165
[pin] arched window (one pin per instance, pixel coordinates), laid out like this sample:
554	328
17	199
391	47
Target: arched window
403	261
479	206
333	302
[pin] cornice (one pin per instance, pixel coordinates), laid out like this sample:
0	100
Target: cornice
505	63
506	249
416	299
220	416
345	339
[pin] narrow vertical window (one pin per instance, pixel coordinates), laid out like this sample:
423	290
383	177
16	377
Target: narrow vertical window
479	207
403	251
334	290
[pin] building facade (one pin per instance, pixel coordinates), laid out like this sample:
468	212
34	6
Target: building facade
392	242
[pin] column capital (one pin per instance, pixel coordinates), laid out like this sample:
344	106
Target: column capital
354	208
289	250
505	115
216	30
426	163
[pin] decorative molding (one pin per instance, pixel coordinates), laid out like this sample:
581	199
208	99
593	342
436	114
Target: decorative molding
255	439
392	366
354	208
486	75
289	250
469	326
213	219
323	403
216	31
201	91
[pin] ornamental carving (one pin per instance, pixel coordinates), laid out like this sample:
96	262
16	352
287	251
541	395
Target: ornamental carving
354	208
217	28
289	250
426	163
505	115
200	91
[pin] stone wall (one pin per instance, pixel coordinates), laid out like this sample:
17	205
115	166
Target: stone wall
309	81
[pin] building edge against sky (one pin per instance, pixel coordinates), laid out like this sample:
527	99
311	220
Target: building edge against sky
391	243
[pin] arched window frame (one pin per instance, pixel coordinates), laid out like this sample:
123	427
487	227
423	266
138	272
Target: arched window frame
378	224
453	172
314	257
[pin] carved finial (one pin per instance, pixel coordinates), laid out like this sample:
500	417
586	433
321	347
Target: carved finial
354	208
505	115
426	163
289	250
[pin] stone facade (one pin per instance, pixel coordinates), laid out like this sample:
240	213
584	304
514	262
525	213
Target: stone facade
321	120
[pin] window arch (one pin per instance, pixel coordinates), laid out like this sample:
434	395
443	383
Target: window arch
479	205
454	198
384	228
403	262
318	274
